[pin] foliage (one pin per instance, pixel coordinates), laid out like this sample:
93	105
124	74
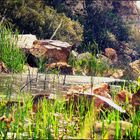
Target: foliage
101	23
9	53
40	118
67	116
135	41
37	18
89	64
89	47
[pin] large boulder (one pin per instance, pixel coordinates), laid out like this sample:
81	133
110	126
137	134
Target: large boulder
25	40
52	50
25	43
55	53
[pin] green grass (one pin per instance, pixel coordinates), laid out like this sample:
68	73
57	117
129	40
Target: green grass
55	119
60	119
90	65
10	54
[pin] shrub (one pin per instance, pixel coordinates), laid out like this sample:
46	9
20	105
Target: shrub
95	67
37	18
89	64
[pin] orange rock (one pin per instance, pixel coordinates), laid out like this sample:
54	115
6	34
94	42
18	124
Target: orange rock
53	50
136	99
7	120
102	91
123	95
111	54
3	68
62	67
79	88
103	88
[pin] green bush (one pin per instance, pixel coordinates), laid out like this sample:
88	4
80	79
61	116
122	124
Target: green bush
37	18
9	53
94	66
89	64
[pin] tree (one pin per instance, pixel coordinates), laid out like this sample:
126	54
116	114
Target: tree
37	18
103	25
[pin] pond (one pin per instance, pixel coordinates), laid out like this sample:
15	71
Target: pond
42	82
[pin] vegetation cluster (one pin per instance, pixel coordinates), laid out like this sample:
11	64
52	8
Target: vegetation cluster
10	55
24	117
40	17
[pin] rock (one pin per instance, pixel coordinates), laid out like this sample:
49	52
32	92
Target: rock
117	74
62	67
25	40
131	53
48	51
122	96
25	43
110	128
124	60
81	90
103	58
126	54
111	54
3	68
136	99
102	90
52	51
135	68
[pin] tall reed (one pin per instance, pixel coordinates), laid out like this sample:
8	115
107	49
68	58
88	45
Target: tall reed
10	54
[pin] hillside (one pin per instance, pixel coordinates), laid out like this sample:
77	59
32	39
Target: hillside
97	25
69	69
